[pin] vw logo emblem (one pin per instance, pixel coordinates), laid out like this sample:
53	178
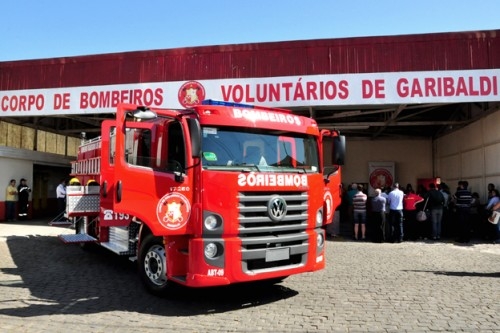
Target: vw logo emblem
276	209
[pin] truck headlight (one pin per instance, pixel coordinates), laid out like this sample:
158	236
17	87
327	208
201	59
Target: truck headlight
319	217
210	222
211	250
320	240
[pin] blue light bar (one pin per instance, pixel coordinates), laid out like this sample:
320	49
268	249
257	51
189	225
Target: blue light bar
222	103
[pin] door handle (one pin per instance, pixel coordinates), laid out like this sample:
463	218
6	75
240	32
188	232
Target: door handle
105	189
119	191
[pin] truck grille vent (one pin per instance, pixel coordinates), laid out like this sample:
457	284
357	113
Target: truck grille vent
270	243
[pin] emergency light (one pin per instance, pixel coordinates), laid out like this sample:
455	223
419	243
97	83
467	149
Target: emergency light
143	113
223	103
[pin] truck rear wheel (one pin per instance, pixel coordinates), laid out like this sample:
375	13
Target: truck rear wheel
153	265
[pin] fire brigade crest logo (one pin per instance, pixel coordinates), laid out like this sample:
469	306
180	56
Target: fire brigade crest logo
173	211
380	178
191	93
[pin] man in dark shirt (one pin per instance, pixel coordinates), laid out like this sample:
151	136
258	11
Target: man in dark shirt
23	191
435	204
463	199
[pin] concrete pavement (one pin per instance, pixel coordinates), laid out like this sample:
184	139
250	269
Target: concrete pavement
47	286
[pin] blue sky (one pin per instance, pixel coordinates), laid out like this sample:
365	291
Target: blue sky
34	29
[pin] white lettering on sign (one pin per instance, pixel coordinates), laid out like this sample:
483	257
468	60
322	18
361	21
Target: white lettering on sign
273	117
260	179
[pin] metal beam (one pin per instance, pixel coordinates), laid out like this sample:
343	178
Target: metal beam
390	120
394	124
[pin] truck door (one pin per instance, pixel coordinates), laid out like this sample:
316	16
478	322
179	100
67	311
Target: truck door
108	217
151	181
333	150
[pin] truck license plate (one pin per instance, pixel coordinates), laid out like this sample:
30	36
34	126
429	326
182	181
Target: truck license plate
277	254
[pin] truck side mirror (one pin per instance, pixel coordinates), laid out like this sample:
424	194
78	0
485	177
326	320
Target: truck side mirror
338	150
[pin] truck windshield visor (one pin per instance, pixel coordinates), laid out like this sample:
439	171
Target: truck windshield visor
258	150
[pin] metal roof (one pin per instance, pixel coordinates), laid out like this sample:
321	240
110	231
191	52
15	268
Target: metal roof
423	52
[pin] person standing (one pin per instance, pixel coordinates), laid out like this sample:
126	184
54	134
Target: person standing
496	229
395	199
463	199
359	209
353	189
493	201
387	225
61	199
378	210
23	192
410	200
475	218
10	201
491	189
445	221
435	205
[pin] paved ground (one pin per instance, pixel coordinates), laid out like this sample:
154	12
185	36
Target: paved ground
47	286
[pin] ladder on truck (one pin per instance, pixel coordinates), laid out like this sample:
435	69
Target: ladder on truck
60	220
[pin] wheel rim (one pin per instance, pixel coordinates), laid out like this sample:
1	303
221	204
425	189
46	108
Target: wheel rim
155	265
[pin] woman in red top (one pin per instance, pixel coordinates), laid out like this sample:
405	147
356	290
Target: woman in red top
412	228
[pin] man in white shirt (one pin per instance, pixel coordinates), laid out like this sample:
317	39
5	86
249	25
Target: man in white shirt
395	201
61	199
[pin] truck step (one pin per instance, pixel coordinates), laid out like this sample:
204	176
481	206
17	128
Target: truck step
60	223
117	248
77	238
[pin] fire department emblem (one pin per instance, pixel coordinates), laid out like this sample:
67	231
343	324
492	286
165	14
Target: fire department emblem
380	178
173	211
191	93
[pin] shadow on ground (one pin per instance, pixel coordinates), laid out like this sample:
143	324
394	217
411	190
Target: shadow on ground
64	279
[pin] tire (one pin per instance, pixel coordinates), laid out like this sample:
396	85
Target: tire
153	266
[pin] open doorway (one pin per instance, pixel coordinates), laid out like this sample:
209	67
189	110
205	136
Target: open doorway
45	180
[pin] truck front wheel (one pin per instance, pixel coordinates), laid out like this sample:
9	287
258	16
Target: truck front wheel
153	265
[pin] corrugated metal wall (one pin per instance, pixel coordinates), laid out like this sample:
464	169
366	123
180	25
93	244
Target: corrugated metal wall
426	52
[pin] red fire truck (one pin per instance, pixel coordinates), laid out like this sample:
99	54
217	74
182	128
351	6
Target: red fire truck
216	194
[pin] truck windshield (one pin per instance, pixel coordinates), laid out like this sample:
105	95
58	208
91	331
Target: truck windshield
257	150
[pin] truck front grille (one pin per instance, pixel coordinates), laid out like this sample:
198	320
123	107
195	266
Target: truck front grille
268	244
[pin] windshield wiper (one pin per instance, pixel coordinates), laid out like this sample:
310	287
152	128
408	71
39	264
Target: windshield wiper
249	165
256	166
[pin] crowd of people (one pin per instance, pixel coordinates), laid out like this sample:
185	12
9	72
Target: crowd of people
398	214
